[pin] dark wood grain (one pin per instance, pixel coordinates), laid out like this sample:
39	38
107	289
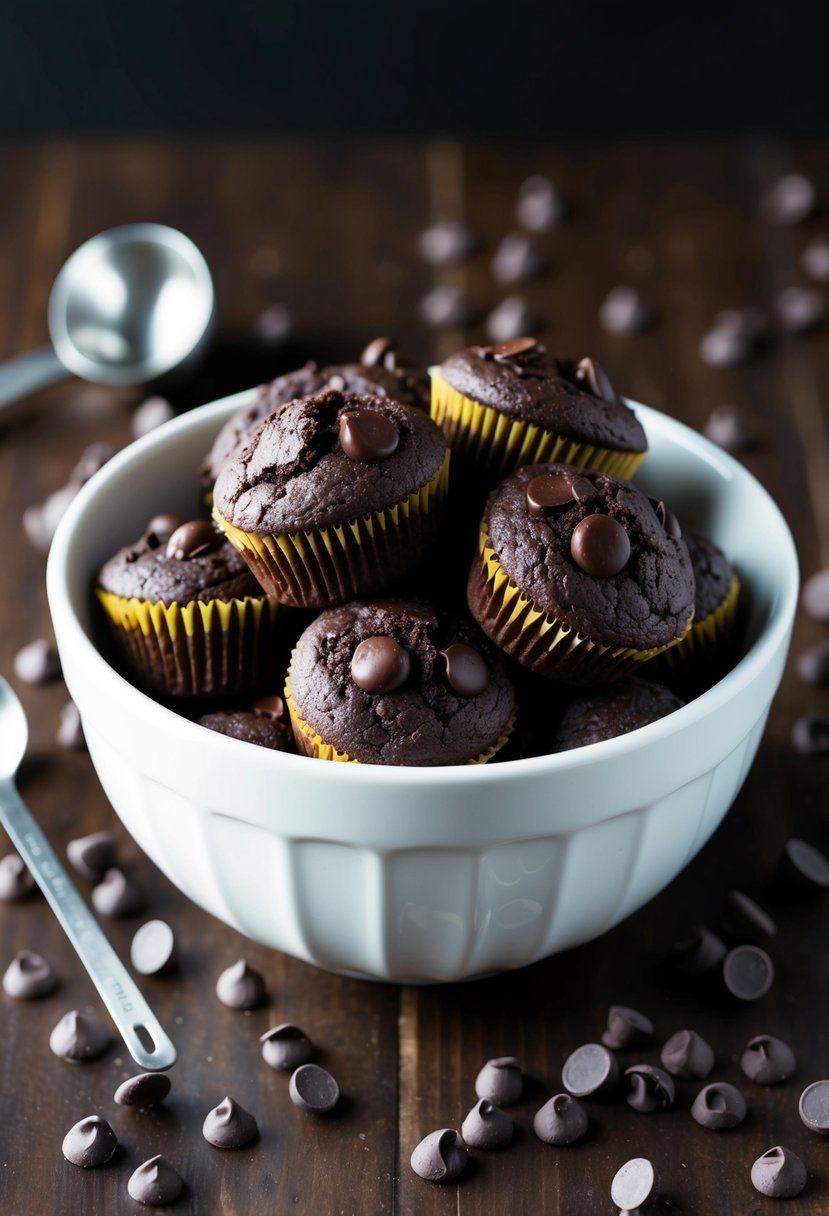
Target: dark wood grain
331	230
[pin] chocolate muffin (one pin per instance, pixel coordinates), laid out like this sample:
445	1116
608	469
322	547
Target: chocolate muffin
512	404
395	682
265	723
186	614
382	371
578	575
604	713
336	495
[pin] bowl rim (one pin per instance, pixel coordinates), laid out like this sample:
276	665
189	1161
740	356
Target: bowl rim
773	635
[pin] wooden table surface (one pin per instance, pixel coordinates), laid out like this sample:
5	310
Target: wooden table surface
331	231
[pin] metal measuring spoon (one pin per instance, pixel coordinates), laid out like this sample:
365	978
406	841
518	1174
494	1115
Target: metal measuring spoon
146	1041
128	306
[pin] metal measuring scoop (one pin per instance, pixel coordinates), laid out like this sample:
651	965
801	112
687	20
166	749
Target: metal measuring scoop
141	1031
130	305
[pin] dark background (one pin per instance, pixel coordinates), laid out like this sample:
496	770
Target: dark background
313	66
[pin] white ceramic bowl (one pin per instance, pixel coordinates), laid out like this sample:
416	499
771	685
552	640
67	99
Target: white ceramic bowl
437	873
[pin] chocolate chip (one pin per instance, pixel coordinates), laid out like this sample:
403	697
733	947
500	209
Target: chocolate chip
79	1037
590	375
627	1028
719	1106
804	866
269	707
153	948
510	319
92	460
466	671
160	528
151	413
791	199
590	1070
624	310
667	519
518	259
117	895
487	1127
728	428
583	489
813	664
37	663
518	350
748	972
686	1054
547	491
779	1173
193	539
313	1089
725	348
441	1156
800	309
28	976
815	258
16	882
541	205
380	352
229	1125
446	243
562	1120
695	955
767	1060
744	920
90	1143
815	597
633	1184
92	855
651	1088
274	325
240	987
286	1047
70	728
367	436
810	735
814	1107
600	546
155	1183
40	521
380	664
446	307
144	1090
500	1081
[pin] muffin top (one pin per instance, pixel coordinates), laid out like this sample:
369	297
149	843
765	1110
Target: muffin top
177	562
569	397
265	723
712	574
618	709
382	371
594	552
328	459
395	682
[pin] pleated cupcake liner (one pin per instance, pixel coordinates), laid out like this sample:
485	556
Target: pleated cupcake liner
364	556
201	648
495	444
698	652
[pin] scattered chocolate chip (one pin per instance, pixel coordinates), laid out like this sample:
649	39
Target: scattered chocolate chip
600	546
380	352
441	1156
767	1060
144	1090
151	413
748	972
583	489
651	1088
517	352
547	491
193	539
240	987
624	310
41	520
286	1047
446	243
590	375
153	948
695	955
486	1126
800	309
562	1120
160	528
16	882
736	335
466	671
92	460
518	259
728	428
155	1183
92	855
810	735
686	1054
28	976
634	1184
814	1107
500	1081
510	319
90	1143
37	663
779	1173
791	199
804	866
590	1070
446	307
744	920
813	664
79	1037
117	895
380	664
815	597
719	1106
313	1089
541	205
274	325
229	1125
70	729
667	519
269	707
627	1028
367	436
815	258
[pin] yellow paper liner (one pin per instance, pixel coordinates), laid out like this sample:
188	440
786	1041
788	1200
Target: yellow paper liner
704	642
311	744
541	642
497	444
201	648
345	561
